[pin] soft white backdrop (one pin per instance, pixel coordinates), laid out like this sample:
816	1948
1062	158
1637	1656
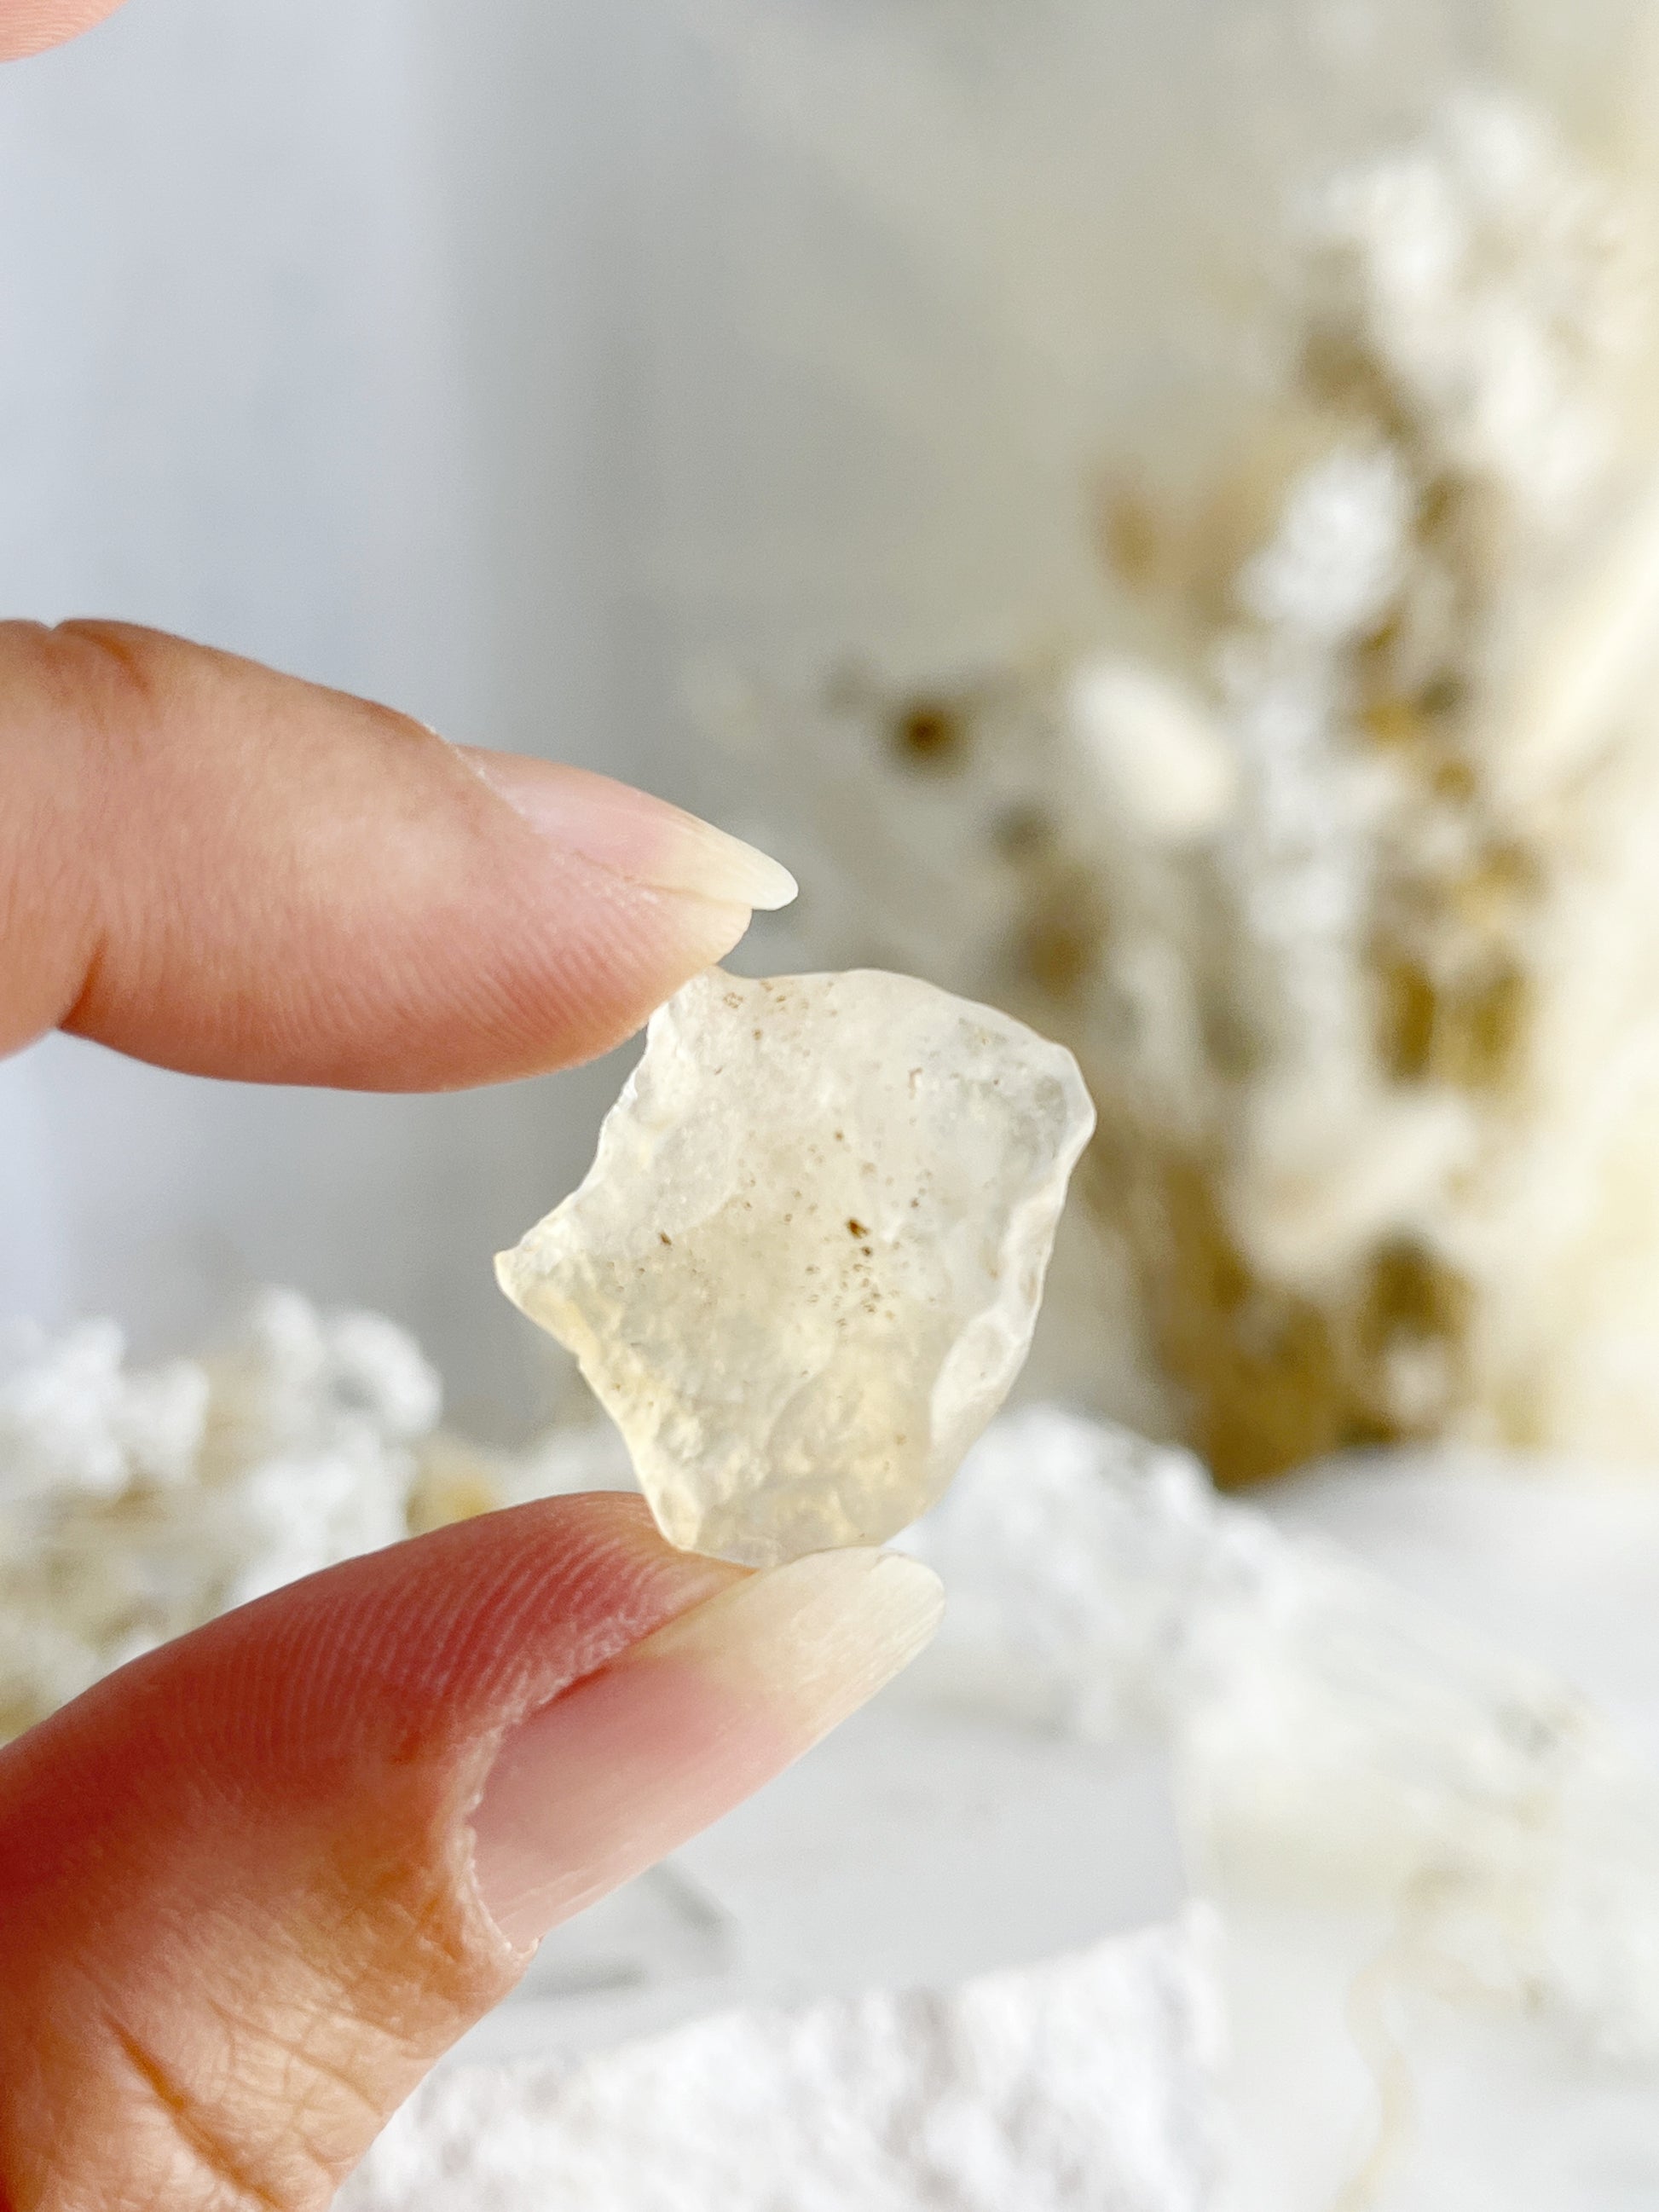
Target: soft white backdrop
314	343
499	363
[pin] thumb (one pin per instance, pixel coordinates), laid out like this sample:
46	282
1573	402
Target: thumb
252	1884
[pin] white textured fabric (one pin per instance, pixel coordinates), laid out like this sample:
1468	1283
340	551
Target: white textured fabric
1086	2085
1436	1862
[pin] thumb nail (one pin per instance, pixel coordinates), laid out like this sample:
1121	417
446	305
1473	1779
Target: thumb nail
642	838
624	1767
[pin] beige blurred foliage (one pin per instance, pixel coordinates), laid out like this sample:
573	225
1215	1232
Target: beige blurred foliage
1300	768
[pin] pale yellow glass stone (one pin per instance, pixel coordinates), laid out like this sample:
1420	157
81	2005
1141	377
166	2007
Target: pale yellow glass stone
804	1269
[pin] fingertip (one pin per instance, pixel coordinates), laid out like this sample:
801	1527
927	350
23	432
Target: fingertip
639	837
234	873
624	1767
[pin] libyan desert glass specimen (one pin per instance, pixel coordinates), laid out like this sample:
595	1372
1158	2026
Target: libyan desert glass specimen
805	1267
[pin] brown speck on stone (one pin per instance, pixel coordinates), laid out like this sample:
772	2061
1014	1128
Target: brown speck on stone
663	1236
929	732
855	1228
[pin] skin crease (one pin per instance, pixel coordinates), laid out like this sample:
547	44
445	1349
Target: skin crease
243	1902
234	1902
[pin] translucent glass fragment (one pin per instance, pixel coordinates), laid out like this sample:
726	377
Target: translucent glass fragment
804	1269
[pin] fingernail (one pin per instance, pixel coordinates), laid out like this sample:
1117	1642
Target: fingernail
641	838
626	1765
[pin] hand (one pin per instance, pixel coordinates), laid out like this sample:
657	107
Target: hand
254	1883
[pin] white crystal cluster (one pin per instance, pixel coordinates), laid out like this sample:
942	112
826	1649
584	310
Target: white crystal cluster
138	1503
1435	1864
1329	854
1086	2080
1338	1737
804	1267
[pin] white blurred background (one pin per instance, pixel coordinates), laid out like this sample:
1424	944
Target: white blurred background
505	365
318	327
534	368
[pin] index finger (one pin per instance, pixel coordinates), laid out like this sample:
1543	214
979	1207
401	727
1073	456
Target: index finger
230	872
